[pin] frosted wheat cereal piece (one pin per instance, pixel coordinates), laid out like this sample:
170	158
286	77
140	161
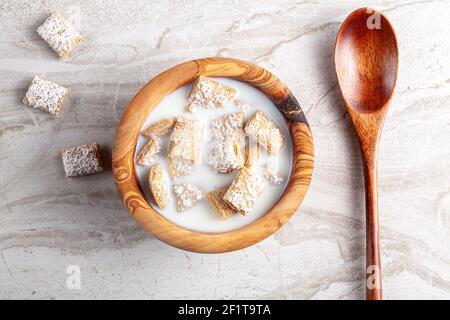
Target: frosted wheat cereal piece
158	186
59	34
185	146
225	156
186	195
186	140
244	191
209	94
265	131
148	151
82	160
159	128
229	126
179	168
251	154
271	174
215	199
45	95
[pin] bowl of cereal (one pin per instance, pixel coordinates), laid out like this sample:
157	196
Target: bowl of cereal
213	155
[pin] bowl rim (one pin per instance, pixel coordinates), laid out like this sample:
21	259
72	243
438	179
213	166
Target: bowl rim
149	96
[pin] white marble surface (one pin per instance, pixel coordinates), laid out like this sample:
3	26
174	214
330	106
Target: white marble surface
48	223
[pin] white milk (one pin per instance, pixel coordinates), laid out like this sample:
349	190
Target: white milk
201	217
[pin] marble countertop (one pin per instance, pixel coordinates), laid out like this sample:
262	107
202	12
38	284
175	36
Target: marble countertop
49	223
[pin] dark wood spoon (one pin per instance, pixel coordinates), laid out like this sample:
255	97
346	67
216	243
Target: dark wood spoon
366	62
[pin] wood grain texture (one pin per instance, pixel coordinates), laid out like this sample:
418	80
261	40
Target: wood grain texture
366	61
149	97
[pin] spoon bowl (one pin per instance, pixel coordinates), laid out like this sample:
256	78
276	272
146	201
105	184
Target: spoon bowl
366	61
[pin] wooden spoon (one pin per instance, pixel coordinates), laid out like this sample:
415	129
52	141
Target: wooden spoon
366	62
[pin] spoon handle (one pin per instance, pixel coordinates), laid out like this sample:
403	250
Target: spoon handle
373	260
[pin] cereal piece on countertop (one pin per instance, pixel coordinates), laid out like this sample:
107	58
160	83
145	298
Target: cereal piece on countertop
209	94
45	95
59	34
265	131
186	195
244	191
148	151
215	199
82	160
158	186
159	128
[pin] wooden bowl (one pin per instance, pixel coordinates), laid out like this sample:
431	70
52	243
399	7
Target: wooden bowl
148	98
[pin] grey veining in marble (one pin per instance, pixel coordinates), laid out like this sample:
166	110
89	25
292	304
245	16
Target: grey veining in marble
48	222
